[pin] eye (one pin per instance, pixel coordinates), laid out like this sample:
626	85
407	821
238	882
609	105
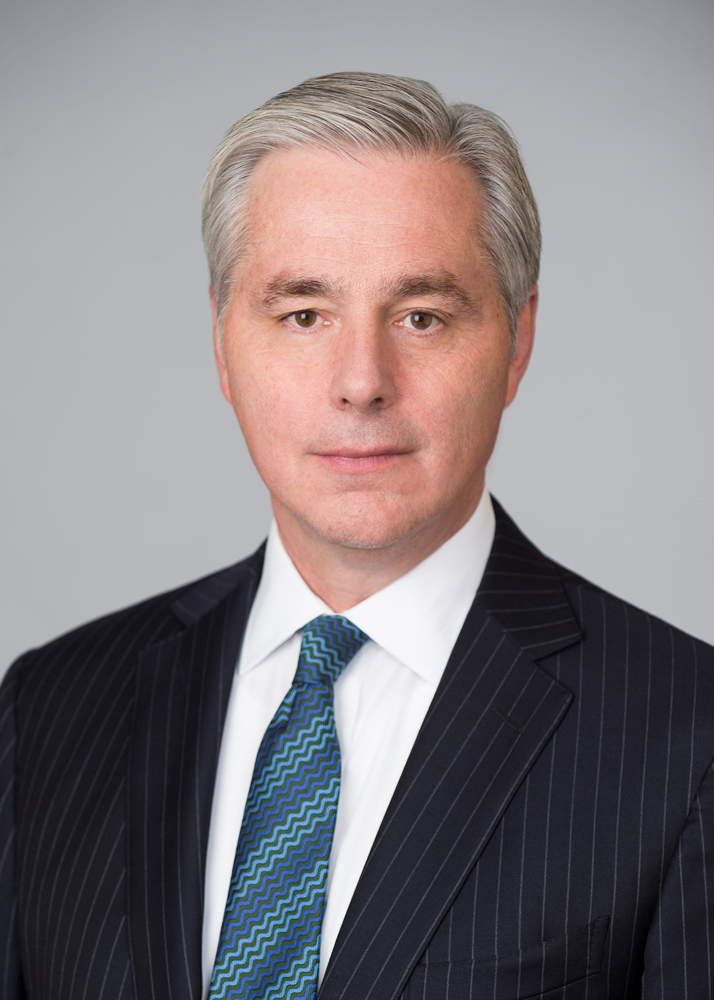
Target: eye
305	318
420	320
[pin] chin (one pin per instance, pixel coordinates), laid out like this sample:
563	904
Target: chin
366	522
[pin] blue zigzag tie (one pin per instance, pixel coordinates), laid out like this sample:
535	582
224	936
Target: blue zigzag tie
269	948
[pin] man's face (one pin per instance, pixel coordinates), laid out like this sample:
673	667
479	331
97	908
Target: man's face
366	351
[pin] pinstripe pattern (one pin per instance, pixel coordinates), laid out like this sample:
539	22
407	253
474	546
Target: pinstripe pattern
552	832
76	801
564	887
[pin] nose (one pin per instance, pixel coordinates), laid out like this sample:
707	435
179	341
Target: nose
364	369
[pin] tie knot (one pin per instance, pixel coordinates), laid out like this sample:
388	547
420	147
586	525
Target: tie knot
328	644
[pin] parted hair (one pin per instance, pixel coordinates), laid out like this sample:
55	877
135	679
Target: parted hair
375	112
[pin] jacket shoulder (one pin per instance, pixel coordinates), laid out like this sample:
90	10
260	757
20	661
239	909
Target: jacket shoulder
519	573
596	606
128	630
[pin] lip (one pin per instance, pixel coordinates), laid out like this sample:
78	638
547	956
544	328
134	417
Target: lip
361	460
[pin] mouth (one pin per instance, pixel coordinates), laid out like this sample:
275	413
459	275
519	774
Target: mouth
360	459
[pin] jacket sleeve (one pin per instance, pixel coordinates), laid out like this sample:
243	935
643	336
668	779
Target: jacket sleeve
11	986
679	954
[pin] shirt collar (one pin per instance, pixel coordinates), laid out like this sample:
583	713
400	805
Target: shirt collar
416	618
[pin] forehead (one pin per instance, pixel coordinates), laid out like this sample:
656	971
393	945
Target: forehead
372	212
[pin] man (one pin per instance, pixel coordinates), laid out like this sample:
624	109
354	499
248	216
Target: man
398	751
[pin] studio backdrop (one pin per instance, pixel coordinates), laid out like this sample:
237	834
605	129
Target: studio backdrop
123	470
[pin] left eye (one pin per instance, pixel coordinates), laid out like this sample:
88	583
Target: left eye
419	320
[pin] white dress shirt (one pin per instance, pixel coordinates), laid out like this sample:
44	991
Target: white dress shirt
381	699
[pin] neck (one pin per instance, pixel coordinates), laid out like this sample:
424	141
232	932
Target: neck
342	575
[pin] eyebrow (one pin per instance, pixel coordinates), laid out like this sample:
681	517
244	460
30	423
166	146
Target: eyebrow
441	283
296	286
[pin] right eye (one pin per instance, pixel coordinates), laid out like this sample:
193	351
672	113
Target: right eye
305	318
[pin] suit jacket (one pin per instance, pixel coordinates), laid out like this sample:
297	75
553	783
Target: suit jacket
552	834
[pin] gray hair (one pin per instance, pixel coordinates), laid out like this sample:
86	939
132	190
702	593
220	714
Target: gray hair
352	112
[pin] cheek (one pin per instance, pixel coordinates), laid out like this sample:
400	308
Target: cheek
462	406
272	408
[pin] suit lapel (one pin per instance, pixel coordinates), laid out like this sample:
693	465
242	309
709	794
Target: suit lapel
182	694
523	590
494	711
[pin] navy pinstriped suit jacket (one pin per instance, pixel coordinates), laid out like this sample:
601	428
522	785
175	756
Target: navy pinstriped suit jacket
552	834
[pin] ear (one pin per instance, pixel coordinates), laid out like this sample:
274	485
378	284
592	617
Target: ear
218	349
525	336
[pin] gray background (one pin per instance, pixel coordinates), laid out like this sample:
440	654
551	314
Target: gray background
124	472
